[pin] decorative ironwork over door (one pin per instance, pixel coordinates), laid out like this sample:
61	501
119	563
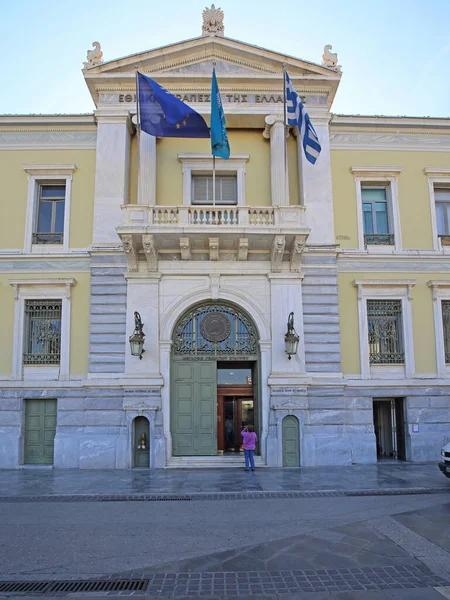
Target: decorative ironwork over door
215	331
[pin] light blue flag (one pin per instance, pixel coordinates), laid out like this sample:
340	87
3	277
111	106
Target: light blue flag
219	139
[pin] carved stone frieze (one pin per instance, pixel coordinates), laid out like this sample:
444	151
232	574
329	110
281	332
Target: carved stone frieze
214	248
278	246
130	252
185	247
243	249
297	248
213	21
151	254
94	57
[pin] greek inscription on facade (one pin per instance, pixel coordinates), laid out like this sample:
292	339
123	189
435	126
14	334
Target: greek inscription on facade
230	98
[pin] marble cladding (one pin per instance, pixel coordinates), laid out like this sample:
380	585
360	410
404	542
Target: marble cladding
336	424
107	328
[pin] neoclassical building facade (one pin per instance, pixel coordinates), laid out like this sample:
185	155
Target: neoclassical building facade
100	223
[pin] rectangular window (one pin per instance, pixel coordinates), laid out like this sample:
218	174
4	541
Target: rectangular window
385	332
442	200
42	332
202	189
446	326
376	216
49	227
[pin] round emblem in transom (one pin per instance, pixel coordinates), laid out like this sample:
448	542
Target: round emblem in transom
215	327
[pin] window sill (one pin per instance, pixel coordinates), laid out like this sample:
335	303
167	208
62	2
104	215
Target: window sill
380	249
387	371
47	248
38	372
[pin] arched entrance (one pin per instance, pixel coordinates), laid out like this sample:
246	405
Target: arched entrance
291	442
214	380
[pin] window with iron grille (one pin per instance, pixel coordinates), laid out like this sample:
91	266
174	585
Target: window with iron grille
385	332
42	332
50	214
442	199
376	216
202	189
446	325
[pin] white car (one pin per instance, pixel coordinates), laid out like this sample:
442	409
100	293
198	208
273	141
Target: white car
445	464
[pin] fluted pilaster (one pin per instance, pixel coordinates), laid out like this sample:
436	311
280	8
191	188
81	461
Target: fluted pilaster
276	131
147	169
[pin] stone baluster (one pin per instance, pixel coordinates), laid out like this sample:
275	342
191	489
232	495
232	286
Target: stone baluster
275	130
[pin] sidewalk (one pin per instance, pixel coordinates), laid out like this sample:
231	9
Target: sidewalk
385	478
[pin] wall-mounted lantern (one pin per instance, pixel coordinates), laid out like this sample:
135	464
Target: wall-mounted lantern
137	339
291	338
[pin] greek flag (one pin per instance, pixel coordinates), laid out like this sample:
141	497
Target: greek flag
297	116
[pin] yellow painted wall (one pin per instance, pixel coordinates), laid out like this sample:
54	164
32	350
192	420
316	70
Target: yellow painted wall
422	314
133	182
14	189
79	339
414	200
169	179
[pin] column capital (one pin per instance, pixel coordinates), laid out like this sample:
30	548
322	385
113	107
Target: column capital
271	121
114	116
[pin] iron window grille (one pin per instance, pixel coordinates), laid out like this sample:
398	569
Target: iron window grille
42	332
50	215
446	326
385	332
239	341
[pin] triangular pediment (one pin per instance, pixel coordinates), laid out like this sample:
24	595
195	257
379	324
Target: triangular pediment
190	63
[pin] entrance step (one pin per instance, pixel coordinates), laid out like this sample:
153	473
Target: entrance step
211	462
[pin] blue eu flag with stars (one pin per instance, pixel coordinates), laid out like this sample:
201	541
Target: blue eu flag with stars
162	114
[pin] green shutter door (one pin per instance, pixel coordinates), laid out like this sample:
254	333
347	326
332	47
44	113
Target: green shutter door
194	408
291	442
40	429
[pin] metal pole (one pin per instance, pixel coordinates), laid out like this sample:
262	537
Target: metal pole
138	130
285	138
214	156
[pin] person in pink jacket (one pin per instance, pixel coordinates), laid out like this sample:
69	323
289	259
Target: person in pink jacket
250	439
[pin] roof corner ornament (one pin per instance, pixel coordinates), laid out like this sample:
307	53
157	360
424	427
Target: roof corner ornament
93	57
330	59
212	21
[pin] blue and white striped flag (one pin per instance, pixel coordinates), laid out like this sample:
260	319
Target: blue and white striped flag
297	115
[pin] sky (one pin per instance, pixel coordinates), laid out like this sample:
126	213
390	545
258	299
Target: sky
395	54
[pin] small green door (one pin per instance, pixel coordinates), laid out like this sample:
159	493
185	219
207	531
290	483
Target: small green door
141	443
40	429
291	442
194	408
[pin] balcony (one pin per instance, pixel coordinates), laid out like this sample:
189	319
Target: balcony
227	233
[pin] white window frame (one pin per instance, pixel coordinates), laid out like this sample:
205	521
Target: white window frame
203	163
388	177
441	291
386	289
435	176
40	175
36	289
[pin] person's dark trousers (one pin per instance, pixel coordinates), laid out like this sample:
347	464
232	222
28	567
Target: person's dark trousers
249	459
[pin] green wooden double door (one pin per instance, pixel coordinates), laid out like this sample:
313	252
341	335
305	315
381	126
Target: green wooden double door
194	408
40	429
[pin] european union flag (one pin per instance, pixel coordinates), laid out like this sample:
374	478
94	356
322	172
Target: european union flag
219	139
162	114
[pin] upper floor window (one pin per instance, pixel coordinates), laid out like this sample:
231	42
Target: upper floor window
446	327
384	319
202	189
377	206
442	203
376	216
42	332
49	223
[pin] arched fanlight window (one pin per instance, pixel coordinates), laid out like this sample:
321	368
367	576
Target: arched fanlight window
216	331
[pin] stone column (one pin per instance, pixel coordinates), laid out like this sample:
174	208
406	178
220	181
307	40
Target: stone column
111	175
147	169
143	297
165	347
276	131
286	297
315	186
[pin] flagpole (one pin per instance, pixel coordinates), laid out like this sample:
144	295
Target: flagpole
285	137
138	128
214	159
